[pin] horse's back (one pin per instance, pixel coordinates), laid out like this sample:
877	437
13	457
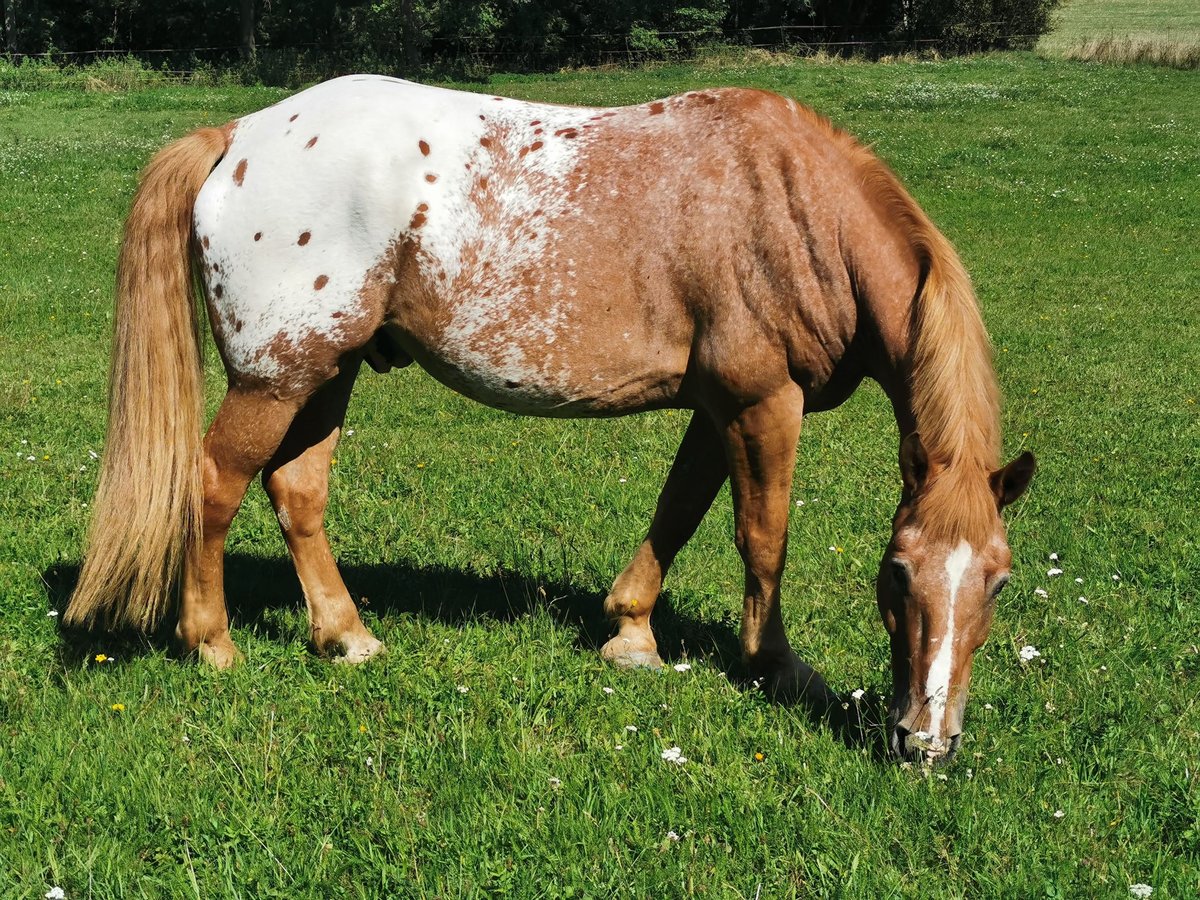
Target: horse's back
549	259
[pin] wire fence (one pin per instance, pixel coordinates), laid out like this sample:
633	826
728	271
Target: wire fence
471	56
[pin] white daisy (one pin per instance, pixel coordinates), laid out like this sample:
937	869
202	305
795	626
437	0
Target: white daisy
674	755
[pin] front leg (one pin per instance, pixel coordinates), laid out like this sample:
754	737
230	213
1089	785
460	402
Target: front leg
760	443
695	478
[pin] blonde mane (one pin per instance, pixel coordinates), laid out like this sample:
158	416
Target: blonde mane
954	395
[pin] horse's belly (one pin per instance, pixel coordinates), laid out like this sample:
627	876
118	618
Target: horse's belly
550	370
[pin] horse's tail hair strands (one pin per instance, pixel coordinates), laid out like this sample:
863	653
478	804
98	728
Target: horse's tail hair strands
148	508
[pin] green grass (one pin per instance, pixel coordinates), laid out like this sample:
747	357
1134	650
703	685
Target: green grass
1128	24
480	545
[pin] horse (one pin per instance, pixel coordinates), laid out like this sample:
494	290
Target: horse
725	251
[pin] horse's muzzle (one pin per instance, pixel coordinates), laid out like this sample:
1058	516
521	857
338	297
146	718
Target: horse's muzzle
922	747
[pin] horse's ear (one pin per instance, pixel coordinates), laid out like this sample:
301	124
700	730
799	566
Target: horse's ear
914	463
1010	482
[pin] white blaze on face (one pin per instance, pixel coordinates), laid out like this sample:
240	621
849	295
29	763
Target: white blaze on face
937	682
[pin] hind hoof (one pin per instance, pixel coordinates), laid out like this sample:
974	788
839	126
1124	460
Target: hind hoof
221	655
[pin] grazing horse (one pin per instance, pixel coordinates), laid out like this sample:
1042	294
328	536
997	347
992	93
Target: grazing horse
724	251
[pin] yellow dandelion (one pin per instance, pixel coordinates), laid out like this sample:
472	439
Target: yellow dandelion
100	657
118	707
420	465
759	757
362	729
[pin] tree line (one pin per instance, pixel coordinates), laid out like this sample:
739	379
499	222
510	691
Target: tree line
415	35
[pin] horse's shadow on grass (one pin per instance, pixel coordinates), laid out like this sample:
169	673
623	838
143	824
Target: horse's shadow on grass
256	587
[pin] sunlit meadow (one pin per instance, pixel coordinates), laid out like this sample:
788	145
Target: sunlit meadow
491	751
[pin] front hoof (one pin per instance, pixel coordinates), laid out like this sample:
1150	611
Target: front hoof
358	650
220	654
625	653
792	679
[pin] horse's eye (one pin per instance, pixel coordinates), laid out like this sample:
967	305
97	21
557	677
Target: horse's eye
899	577
998	586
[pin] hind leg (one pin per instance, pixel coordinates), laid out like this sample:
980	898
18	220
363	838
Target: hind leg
697	474
242	438
297	480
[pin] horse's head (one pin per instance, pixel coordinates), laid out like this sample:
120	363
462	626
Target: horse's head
937	589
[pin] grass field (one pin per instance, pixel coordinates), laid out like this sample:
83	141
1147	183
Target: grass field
1118	30
482	755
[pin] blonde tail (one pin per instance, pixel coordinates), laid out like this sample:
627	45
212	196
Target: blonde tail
147	512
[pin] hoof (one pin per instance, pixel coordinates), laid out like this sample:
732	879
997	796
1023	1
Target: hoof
358	650
221	654
793	680
626	654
